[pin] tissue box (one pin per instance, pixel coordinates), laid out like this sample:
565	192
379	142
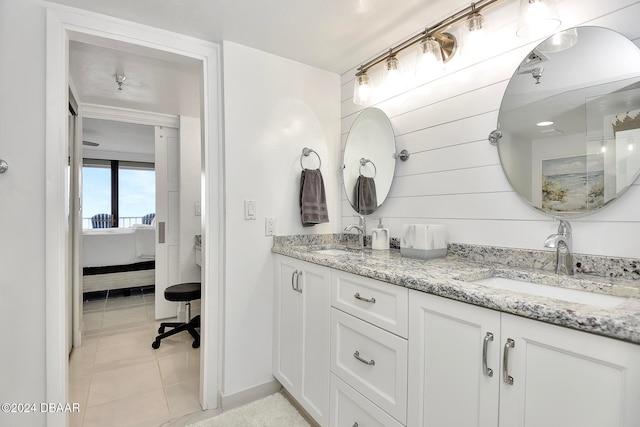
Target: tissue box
423	241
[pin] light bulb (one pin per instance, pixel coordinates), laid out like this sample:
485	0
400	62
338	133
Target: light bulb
559	41
362	89
393	76
476	39
537	17
429	61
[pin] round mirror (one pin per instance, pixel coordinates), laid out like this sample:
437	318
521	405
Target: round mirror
570	122
368	160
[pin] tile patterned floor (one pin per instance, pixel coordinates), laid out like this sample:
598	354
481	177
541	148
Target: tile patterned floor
118	379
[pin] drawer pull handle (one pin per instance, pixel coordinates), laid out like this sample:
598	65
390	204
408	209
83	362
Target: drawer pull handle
355	424
295	281
505	361
371	300
298	288
485	369
366	362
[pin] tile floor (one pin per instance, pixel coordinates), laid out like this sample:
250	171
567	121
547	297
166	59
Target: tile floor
118	379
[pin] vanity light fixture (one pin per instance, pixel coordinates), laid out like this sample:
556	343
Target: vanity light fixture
537	18
433	39
120	79
546	123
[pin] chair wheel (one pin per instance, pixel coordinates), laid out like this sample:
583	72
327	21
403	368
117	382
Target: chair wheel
196	344
155	345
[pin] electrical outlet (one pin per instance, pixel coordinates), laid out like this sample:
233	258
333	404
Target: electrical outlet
269	226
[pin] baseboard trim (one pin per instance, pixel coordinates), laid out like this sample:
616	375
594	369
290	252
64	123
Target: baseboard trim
249	395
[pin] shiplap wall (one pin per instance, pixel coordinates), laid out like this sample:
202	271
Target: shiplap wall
454	176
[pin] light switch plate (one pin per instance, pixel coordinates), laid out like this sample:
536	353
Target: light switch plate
250	209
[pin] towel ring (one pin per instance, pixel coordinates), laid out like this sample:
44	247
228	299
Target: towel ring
363	162
306	152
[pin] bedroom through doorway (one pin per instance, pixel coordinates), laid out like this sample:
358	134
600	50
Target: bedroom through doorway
118	224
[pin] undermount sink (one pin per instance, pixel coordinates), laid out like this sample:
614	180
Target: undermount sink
334	252
570	295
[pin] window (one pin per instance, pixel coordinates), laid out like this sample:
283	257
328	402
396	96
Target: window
125	190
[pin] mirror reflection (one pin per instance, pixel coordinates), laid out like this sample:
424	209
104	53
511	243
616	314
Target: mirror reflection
570	122
369	164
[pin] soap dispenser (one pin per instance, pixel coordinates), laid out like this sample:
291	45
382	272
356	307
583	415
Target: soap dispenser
380	237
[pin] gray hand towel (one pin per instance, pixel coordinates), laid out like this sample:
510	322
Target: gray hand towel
365	195
313	203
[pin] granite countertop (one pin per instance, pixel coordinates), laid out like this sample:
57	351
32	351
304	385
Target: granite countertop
450	277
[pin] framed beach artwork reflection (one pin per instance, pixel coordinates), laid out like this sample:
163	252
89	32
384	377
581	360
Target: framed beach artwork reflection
573	184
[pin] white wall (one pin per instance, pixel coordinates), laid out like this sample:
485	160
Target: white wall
22	212
273	109
454	175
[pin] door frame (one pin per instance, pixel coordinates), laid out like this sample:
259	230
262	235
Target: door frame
65	24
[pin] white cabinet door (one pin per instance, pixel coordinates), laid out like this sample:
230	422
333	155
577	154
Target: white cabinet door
287	332
302	334
315	284
448	342
563	377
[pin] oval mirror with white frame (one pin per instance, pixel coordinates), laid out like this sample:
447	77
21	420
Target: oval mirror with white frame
569	124
368	161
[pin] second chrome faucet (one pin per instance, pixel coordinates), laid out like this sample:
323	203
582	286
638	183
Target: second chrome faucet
561	241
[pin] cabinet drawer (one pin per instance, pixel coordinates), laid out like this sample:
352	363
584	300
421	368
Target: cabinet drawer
349	408
379	303
372	361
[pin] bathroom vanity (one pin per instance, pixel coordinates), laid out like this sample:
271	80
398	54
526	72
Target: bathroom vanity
373	338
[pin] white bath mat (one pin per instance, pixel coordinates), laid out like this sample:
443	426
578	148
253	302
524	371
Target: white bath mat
272	411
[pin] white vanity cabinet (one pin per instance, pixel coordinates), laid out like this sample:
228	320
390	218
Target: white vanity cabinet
525	374
369	327
301	333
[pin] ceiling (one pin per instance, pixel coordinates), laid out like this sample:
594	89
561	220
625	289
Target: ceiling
333	35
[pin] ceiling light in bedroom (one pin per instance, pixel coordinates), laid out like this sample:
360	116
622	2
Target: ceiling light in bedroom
120	79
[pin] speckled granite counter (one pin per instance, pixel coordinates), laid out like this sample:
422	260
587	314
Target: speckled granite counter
449	277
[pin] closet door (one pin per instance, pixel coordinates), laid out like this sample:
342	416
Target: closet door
167	144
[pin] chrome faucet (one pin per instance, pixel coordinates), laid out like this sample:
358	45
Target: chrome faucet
362	230
562	242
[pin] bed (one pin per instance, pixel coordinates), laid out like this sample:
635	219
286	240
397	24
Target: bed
114	258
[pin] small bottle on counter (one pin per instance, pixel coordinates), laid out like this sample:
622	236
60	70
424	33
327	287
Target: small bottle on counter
380	237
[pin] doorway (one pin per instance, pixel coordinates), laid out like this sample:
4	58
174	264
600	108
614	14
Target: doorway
65	25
